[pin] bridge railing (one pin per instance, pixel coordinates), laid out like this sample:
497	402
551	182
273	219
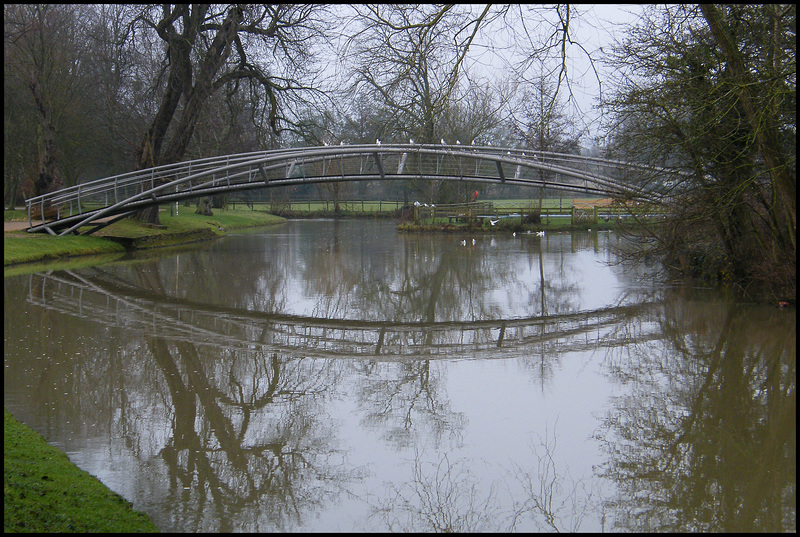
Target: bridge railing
128	192
88	196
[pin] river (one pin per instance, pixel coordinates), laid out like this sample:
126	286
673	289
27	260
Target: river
340	376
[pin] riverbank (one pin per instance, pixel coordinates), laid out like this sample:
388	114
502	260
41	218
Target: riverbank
28	249
43	490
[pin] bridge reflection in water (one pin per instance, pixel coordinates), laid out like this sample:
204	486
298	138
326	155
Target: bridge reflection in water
115	304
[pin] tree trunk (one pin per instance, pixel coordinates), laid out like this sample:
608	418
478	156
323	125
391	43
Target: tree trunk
180	86
12	193
204	207
764	126
48	176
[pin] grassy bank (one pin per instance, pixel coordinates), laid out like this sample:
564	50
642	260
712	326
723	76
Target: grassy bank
128	234
44	492
509	225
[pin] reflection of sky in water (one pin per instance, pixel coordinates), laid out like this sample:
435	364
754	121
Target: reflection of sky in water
363	425
497	277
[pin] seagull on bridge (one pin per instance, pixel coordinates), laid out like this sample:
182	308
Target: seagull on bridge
411	140
378	141
341	143
458	142
443	142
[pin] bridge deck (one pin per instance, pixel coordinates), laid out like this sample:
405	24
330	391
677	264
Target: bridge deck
67	210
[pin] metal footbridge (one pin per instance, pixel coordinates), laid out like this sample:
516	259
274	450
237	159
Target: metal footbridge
92	205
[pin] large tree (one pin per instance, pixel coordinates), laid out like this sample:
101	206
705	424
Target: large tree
211	48
411	58
711	90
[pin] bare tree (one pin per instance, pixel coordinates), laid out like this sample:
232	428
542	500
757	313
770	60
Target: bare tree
712	92
43	52
411	57
264	49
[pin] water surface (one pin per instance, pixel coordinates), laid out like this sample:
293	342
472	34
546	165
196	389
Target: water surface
339	376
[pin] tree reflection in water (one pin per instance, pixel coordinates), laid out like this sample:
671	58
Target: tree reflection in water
230	416
262	473
706	439
445	496
403	399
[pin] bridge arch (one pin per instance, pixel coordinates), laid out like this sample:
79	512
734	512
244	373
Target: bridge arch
112	198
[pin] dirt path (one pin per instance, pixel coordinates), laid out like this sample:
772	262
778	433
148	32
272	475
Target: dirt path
17	226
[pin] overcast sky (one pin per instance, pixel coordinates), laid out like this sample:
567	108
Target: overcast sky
593	27
599	25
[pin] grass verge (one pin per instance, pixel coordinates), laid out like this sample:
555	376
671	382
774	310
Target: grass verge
129	234
44	492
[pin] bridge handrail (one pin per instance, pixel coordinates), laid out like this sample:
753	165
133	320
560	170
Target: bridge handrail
232	168
214	161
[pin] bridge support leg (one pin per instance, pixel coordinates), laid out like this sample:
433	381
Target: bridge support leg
380	341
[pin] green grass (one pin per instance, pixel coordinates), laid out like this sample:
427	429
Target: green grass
29	247
44	492
15	214
186	227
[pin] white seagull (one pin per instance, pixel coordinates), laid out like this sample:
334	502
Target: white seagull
493	222
378	141
411	140
443	142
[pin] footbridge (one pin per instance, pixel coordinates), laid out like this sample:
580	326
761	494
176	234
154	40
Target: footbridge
92	205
